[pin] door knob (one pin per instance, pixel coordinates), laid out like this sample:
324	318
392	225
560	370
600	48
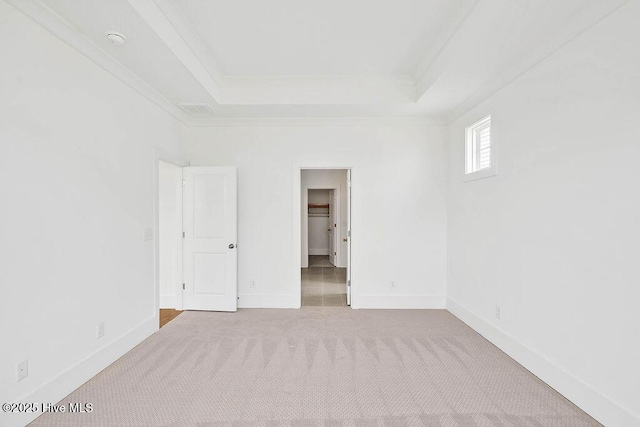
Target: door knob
231	246
344	239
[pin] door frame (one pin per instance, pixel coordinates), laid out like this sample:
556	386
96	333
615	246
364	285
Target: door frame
160	155
297	229
305	218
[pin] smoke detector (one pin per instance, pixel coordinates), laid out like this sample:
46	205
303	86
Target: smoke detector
116	38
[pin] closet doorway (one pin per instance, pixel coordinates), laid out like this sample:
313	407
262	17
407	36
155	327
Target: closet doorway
325	225
322	221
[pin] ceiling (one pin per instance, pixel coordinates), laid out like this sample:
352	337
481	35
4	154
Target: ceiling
328	38
298	58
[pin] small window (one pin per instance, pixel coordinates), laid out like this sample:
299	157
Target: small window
479	158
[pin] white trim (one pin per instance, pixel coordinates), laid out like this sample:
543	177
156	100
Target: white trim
485	173
321	251
160	155
173	29
169	301
316	90
595	13
37	11
298	229
583	395
193	41
296	279
403	121
304	232
73	377
468	142
426	72
158	19
402	301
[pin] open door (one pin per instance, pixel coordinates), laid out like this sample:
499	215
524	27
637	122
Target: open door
209	239
332	227
348	237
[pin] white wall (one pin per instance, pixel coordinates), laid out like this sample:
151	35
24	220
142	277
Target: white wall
170	235
319	196
399	214
318	235
76	191
553	238
325	178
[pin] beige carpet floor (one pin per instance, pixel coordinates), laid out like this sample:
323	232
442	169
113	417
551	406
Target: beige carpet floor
318	366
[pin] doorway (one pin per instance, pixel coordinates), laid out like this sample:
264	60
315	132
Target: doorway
322	219
324	237
169	236
196	255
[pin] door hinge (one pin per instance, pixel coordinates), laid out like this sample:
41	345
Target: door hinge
183	287
184	234
184	182
335	253
349	233
349	184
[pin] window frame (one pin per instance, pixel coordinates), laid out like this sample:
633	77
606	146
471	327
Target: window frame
471	151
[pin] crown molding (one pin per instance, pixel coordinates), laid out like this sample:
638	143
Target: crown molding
317	90
164	22
421	121
63	30
239	91
590	17
427	72
258	93
184	28
174	30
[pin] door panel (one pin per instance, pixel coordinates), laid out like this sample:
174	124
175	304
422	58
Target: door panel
332	228
348	236
208	212
209	274
209	243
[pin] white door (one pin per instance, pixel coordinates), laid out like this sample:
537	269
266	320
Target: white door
332	227
209	240
348	236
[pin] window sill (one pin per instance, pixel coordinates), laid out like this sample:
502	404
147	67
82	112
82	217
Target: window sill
480	174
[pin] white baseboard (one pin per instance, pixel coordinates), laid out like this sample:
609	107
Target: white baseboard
268	301
318	251
66	382
168	301
583	395
399	301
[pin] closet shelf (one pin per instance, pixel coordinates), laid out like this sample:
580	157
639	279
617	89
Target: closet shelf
318	210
